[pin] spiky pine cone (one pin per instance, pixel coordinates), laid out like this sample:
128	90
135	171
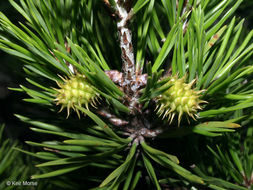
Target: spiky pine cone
179	99
75	91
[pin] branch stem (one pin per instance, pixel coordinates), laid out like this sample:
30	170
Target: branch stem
129	84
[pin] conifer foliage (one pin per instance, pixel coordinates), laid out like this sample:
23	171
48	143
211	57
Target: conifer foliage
130	75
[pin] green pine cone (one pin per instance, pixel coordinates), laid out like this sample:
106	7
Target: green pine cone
75	91
179	99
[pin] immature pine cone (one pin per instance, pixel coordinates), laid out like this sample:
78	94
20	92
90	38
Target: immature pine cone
75	91
179	99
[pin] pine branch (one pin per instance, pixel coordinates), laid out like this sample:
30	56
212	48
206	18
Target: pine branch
135	107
